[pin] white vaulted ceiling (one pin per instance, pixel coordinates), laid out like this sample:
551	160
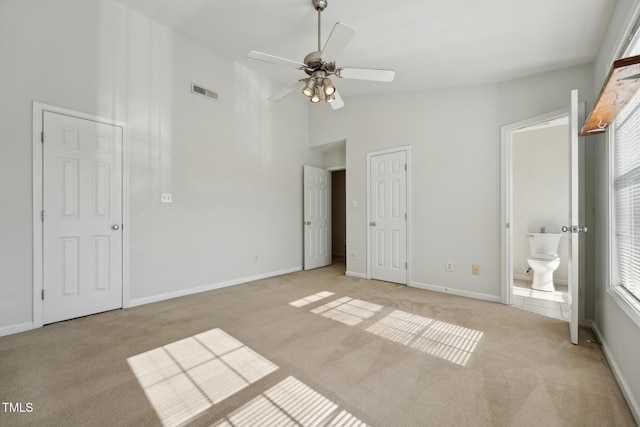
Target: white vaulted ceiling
429	43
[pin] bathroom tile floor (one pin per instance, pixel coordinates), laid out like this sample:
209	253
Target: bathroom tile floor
553	304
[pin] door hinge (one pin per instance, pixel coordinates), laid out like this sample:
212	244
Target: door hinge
405	265
405	166
42	137
42	216
507	225
42	294
405	215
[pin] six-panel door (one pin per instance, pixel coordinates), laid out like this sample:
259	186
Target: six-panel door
82	201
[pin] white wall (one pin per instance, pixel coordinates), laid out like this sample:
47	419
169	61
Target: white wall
540	173
223	162
539	94
334	154
619	334
454	178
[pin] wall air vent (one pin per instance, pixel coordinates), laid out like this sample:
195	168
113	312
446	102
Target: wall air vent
199	90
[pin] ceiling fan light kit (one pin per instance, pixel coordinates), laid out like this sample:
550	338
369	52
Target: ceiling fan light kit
309	87
316	97
328	86
319	65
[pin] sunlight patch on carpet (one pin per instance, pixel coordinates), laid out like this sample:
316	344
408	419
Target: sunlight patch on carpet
290	403
185	378
348	310
311	298
445	340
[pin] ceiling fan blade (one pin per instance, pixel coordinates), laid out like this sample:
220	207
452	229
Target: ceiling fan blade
372	74
338	39
286	91
274	59
337	103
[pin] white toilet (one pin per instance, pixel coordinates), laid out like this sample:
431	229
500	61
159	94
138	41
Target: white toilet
543	259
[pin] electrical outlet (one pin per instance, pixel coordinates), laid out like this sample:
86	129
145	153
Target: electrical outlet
449	266
256	258
354	255
165	198
475	269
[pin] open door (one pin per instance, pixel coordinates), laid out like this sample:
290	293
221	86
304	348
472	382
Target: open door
317	217
573	229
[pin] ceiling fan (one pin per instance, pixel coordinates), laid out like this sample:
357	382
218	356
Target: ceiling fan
320	65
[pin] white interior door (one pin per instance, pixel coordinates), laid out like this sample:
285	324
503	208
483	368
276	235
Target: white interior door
388	217
573	229
82	217
317	217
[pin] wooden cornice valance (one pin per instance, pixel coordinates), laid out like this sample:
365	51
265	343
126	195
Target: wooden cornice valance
621	85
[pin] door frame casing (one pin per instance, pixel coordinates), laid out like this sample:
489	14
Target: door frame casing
37	176
506	187
407	150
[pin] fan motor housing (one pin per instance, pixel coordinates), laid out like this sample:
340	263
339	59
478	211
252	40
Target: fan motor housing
315	63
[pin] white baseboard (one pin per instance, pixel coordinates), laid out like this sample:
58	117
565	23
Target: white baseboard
205	288
619	376
15	329
353	274
458	292
529	278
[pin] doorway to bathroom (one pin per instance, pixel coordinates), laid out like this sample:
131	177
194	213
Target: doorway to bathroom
541	179
540	205
547	261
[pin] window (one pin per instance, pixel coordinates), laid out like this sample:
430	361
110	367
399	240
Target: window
624	155
626	198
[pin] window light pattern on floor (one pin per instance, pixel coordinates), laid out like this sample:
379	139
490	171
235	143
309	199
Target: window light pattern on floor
444	340
348	310
290	403
311	298
186	377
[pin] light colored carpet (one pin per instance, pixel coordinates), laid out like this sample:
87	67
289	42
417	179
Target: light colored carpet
372	352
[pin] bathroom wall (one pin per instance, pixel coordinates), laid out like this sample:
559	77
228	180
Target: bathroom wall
540	160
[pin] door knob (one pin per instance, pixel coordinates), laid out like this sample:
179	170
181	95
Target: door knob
574	229
372	223
115	227
308	222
